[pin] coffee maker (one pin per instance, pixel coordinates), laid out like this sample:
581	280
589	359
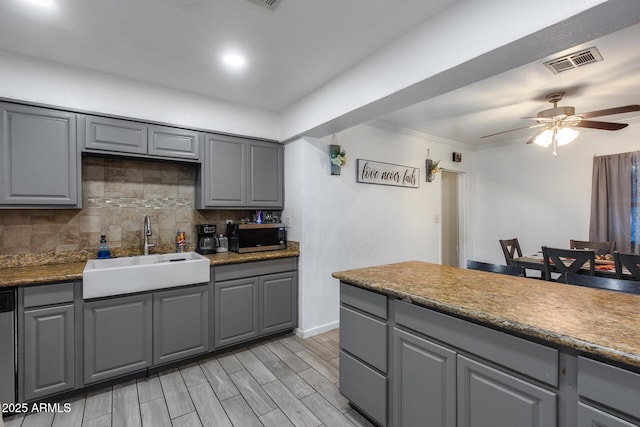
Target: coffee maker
207	240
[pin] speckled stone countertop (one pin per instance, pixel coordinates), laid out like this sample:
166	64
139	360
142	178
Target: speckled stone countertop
592	321
60	272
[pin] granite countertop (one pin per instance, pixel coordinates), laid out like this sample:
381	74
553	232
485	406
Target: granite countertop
60	272
592	321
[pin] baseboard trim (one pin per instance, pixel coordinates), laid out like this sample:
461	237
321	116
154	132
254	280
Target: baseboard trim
307	333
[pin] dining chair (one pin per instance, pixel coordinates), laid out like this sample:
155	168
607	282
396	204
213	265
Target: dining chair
608	283
627	261
601	248
565	261
510	249
511	270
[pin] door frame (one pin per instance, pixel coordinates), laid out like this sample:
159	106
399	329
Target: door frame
462	178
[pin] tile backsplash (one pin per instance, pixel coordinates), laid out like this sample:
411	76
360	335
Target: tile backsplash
117	194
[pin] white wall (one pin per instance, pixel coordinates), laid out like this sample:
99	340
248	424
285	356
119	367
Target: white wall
522	191
34	80
347	225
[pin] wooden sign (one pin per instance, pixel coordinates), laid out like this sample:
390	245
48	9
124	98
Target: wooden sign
372	172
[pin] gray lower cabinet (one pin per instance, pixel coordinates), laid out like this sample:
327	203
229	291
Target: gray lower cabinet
363	351
236	311
488	397
424	386
47	340
241	173
180	323
278	299
39	159
48	363
116	136
117	336
254	299
614	390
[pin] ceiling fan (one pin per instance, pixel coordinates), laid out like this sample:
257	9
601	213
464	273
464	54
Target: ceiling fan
557	124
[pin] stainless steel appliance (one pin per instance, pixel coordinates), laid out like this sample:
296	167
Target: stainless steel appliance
7	347
207	240
253	237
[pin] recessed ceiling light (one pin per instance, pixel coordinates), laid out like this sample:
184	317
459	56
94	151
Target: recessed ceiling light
234	60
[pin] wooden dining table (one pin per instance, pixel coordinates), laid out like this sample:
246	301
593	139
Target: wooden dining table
603	268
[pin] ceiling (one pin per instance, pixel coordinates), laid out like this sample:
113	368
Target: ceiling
296	49
497	104
291	51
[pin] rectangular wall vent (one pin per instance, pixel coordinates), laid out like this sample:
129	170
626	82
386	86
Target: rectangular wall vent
574	60
269	4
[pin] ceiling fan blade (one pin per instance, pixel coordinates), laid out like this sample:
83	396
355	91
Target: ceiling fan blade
592	124
535	135
610	111
511	130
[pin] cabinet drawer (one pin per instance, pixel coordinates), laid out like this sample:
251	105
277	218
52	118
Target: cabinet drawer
609	385
257	268
35	296
364	387
526	357
589	416
362	299
364	337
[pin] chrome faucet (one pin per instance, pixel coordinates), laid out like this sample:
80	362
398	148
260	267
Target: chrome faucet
147	233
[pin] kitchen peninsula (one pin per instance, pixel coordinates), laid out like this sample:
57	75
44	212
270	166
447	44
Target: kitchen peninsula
423	341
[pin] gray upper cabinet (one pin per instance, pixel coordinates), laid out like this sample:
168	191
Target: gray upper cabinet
39	160
121	136
223	176
241	173
115	136
266	175
172	142
180	323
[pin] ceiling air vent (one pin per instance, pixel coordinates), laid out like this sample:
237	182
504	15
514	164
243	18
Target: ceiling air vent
269	4
574	60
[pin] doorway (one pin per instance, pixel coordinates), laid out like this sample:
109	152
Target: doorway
452	219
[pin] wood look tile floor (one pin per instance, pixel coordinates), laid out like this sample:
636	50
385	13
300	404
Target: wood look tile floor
287	381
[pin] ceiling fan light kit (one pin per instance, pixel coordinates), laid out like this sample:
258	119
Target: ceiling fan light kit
556	124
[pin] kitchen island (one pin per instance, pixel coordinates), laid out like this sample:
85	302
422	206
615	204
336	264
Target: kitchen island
423	341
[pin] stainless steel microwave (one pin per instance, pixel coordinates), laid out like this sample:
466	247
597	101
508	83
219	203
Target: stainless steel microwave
244	238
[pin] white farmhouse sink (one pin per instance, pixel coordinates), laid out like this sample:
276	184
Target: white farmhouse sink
117	276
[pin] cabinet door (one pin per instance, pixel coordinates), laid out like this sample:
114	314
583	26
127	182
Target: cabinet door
39	160
223	176
172	142
180	323
236	311
278	302
425	382
488	397
122	136
49	349
117	336
266	175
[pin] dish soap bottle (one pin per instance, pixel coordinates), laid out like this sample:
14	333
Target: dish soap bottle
103	249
